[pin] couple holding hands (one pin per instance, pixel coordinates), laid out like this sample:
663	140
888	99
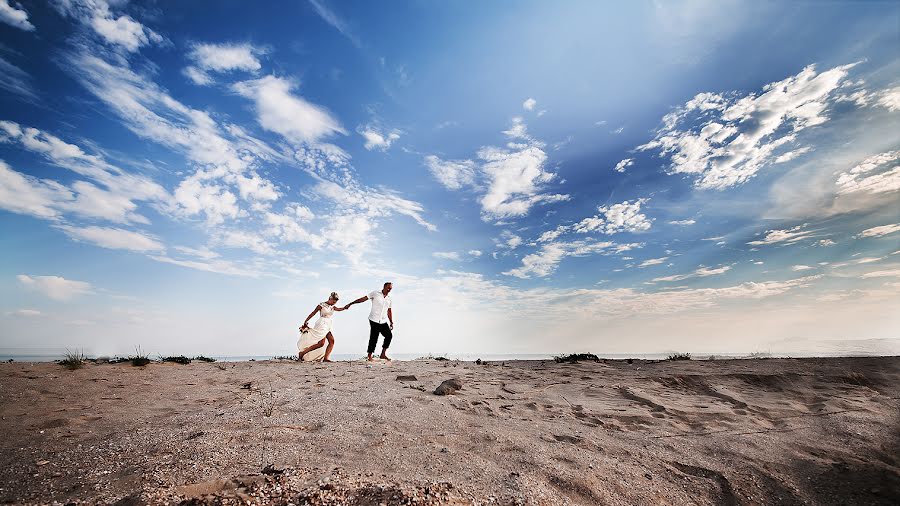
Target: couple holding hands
381	321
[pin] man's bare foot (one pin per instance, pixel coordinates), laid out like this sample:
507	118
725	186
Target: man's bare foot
326	360
384	357
370	359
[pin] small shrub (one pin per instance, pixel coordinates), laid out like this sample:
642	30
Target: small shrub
73	359
679	356
759	354
139	359
201	358
178	360
286	357
573	358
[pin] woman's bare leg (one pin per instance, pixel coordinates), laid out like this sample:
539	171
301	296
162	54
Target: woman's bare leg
330	347
312	347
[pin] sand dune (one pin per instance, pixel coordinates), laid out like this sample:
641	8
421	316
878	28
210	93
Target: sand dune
804	431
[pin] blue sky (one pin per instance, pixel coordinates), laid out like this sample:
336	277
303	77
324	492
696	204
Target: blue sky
534	177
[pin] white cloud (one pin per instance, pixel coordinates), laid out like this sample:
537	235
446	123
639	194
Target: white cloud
653	261
291	116
197	76
245	240
113	238
518	129
797	268
515	178
787	236
377	138
226	57
55	287
825	242
453	174
737	137
28	313
446	255
511	179
622	165
544	262
24	194
335	21
891	273
119	31
508	240
204	252
622	217
15	16
116	203
15	80
876	174
210	265
880	231
682	222
475	253
701	272
221	58
529	104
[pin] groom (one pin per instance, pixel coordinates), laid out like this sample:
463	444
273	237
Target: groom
379	317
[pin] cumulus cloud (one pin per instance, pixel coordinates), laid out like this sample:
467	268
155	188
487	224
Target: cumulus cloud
545	261
514	181
226	57
453	174
118	31
876	174
722	140
508	240
15	16
279	110
623	217
114	238
511	179
880	231
701	272
55	287
529	104
377	137
475	253
622	165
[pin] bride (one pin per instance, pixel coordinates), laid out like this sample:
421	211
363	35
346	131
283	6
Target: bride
312	339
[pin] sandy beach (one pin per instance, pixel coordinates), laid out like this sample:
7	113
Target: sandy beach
770	431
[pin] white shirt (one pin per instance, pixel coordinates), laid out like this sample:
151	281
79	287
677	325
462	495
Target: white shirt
380	306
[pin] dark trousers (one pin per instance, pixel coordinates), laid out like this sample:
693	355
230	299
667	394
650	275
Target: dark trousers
379	328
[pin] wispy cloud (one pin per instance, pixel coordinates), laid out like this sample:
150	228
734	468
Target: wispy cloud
337	22
55	287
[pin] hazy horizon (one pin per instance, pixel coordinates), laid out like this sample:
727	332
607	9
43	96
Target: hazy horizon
533	177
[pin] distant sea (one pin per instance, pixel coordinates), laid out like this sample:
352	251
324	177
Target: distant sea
469	357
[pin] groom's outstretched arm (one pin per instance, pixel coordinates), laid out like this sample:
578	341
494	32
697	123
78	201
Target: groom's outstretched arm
357	301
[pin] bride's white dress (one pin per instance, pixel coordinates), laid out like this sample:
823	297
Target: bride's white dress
316	334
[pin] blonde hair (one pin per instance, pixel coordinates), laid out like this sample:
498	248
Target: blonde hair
334	296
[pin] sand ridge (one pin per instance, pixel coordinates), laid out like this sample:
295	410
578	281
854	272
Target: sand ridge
774	431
